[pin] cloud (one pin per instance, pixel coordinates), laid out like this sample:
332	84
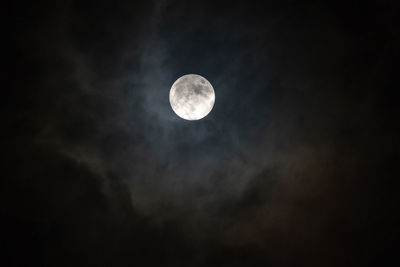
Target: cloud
287	167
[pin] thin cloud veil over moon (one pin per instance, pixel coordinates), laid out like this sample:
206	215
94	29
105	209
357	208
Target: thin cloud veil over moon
192	97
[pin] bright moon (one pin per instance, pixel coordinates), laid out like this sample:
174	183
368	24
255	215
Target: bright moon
192	97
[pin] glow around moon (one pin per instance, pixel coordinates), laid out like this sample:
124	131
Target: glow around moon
192	97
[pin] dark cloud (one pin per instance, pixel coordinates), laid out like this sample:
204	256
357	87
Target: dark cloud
294	166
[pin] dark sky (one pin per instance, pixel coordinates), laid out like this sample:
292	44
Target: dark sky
296	165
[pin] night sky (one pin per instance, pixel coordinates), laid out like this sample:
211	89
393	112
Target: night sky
296	165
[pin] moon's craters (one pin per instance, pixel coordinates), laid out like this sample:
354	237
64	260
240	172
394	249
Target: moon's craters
192	97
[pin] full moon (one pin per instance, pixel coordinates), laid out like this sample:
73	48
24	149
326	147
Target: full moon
192	97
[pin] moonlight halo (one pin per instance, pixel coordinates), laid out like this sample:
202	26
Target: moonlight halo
192	97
